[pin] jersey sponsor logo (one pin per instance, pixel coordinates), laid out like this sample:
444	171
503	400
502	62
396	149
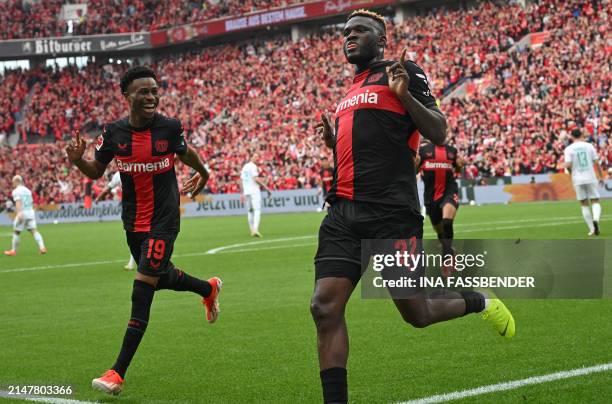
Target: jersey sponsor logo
374	77
161	146
436	165
143	167
99	142
365	97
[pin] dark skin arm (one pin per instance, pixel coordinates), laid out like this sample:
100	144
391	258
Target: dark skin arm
75	150
195	184
430	121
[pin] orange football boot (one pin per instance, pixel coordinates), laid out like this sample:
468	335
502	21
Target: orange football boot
110	382
211	303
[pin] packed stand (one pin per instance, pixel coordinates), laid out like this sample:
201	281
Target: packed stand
216	91
24	19
519	123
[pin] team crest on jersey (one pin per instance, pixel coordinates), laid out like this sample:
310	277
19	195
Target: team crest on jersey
161	146
99	142
374	77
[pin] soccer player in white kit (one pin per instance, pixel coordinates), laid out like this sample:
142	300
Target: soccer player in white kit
113	184
582	161
25	217
251	193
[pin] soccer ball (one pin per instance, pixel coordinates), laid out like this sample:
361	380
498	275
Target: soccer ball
472	203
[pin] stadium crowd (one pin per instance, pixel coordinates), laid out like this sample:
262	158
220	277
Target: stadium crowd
26	19
520	122
234	99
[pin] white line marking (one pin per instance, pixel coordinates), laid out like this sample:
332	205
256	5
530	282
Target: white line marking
72	265
492	388
228	248
276	240
43	399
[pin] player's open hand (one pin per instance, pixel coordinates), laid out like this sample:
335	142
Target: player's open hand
398	76
324	129
76	148
195	185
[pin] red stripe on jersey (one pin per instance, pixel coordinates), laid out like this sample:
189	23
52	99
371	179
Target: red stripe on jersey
414	140
344	156
143	181
370	97
439	174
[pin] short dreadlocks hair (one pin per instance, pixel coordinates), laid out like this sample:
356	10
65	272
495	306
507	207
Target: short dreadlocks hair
362	12
136	72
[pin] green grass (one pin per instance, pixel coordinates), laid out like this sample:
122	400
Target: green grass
65	325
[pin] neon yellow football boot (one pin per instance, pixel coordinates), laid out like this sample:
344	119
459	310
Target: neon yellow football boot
499	316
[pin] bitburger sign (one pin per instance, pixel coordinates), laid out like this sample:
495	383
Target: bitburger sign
77	45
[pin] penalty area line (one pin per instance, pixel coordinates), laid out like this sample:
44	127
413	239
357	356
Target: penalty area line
42	399
515	384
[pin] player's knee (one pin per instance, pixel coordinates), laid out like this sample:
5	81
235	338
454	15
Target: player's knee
17	232
323	312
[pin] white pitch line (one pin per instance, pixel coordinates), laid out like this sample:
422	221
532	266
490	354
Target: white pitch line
276	240
71	265
43	399
493	388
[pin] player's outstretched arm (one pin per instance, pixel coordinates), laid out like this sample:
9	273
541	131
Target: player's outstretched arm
431	122
75	150
195	184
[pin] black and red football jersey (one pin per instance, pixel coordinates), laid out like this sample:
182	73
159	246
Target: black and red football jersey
377	140
145	160
327	177
438	165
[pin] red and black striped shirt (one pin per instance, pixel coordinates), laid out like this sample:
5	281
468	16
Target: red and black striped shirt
438	165
145	160
377	140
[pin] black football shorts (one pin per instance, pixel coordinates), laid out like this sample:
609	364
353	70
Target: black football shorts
434	209
152	251
347	223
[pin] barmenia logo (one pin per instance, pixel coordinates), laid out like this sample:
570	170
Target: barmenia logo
143	167
432	165
363	98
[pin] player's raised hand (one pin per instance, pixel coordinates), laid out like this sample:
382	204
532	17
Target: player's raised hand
398	76
76	147
324	129
195	185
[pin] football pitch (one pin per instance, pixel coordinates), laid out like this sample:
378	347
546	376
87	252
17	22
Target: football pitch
64	316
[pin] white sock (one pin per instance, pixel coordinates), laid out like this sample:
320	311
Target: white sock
15	244
487	300
251	219
596	211
39	240
256	220
588	218
132	262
